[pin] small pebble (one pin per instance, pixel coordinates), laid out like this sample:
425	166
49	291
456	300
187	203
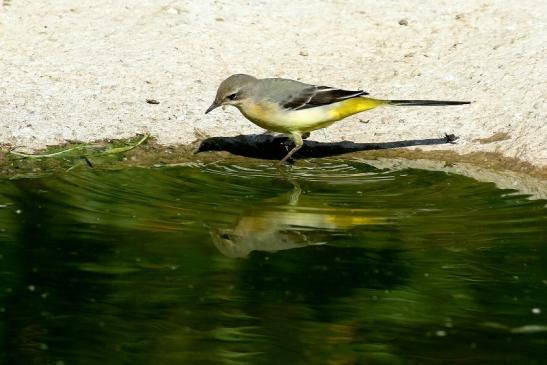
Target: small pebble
152	101
536	310
403	22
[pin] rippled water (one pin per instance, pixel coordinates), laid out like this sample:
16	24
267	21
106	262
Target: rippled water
325	263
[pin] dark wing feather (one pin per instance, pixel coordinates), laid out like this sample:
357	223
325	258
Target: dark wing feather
314	96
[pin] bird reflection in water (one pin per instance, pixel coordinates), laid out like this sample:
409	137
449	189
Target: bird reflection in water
289	221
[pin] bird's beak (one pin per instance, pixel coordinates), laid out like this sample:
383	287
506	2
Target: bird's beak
213	106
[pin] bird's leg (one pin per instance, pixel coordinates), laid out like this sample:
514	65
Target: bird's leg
298	142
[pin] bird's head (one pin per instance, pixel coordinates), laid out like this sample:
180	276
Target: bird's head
232	90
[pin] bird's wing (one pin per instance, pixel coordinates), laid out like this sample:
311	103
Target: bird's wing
313	96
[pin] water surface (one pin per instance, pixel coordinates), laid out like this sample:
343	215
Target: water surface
325	263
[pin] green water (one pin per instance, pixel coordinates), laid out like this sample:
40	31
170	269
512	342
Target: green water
326	263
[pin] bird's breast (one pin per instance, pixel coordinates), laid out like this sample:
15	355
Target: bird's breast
266	115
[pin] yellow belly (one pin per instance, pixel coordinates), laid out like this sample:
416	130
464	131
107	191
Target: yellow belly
269	116
265	115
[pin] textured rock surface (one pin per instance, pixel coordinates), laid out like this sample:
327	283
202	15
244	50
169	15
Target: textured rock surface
83	70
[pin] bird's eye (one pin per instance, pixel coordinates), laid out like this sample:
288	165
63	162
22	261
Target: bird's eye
232	96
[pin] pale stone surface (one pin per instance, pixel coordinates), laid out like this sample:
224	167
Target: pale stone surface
82	70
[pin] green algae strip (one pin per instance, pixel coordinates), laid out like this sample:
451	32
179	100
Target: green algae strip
54	154
109	151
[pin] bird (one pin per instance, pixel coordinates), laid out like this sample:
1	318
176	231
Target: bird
296	108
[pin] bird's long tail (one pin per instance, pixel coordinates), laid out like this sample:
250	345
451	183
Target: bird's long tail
425	102
360	104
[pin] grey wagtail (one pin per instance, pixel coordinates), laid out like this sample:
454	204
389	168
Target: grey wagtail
295	108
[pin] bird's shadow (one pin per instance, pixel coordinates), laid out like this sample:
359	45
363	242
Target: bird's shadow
271	147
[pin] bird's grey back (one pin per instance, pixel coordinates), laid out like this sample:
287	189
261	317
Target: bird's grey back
277	89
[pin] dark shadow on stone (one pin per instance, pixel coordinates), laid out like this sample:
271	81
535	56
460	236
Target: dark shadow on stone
270	147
